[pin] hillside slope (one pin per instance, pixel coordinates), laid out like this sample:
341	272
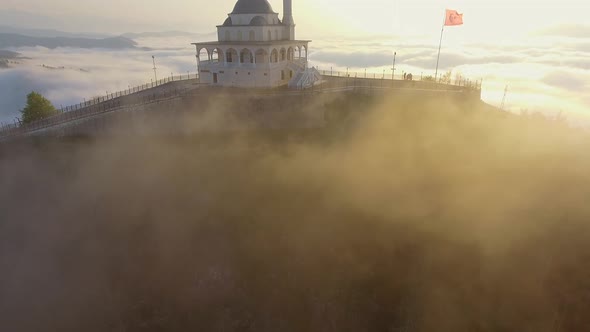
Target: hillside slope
419	214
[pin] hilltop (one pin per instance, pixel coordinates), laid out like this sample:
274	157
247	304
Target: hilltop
48	32
6	57
9	54
164	34
17	40
430	213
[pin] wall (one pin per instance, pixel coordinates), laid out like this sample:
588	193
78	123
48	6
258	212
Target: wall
247	77
278	32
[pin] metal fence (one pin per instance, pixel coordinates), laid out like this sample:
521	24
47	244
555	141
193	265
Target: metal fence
109	102
333	81
459	80
131	90
100	104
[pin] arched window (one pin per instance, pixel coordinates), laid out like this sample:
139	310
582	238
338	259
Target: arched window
269	36
276	35
246	56
240	35
231	56
283	54
203	54
274	56
252	36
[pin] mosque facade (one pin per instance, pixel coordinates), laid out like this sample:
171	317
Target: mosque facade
256	49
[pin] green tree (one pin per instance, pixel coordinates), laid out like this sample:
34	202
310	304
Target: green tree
38	107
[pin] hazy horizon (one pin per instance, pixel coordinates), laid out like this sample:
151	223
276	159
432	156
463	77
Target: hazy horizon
539	50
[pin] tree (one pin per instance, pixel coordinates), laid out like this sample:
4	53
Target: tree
38	107
458	78
446	77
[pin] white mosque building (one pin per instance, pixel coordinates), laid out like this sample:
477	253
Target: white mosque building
255	49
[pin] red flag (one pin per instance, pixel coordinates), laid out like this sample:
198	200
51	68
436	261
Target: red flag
453	18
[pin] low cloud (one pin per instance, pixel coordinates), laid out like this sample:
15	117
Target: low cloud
67	76
452	60
567	81
356	59
416	57
534	72
566	30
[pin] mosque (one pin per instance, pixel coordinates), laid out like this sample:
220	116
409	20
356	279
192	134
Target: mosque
256	49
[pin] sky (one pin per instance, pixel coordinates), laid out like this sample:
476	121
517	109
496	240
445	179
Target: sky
498	19
540	49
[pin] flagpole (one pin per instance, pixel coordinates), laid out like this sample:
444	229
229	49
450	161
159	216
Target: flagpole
439	46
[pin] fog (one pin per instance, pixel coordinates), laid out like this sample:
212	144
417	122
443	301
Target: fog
401	214
68	76
548	75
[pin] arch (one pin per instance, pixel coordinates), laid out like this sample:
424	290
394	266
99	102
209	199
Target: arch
274	55
269	35
304	50
251	36
216	55
227	35
246	56
203	54
297	52
261	56
231	56
276	35
290	54
283	54
240	35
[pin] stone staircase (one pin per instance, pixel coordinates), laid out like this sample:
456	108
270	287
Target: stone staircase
304	77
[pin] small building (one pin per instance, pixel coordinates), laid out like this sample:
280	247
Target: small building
256	49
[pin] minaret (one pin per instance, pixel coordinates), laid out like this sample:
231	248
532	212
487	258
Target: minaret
288	19
288	13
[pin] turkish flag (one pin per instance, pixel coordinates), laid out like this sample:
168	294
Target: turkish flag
453	18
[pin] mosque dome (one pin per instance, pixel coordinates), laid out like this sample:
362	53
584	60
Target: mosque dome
258	20
252	7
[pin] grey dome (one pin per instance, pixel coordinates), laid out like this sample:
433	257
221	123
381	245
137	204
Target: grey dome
252	7
258	20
